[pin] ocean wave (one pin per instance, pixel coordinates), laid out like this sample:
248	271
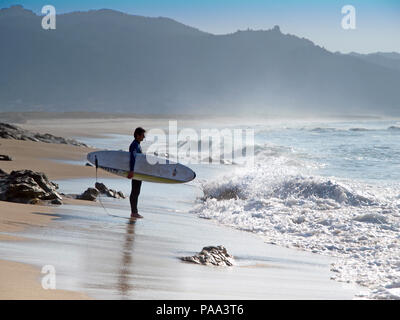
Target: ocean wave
355	129
322	130
394	128
299	188
360	129
312	188
356	222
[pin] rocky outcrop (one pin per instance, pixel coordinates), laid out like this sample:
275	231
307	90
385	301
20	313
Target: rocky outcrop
4	157
91	194
27	186
8	131
216	256
109	192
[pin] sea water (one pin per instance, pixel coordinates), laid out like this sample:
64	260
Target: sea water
330	188
326	187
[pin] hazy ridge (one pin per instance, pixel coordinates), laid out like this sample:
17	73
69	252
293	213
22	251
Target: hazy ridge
105	61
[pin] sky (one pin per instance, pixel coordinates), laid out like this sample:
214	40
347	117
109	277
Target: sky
377	21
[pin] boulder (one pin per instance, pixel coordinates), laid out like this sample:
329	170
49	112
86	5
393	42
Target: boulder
56	201
216	256
109	192
4	157
27	186
90	194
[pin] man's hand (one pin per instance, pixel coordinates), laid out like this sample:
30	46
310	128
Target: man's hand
130	175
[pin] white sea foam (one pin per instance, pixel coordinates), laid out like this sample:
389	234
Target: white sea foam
280	199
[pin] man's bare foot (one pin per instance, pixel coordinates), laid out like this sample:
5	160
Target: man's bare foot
136	215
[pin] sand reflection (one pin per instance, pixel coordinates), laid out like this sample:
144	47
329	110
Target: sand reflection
124	285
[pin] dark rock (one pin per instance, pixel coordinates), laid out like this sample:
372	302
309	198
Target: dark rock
4	157
101	187
217	256
8	131
39	177
8	126
88	164
34	201
56	201
90	194
109	192
27	186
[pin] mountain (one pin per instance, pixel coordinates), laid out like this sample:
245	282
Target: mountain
389	60
109	61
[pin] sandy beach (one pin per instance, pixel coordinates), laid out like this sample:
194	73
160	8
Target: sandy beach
105	256
20	281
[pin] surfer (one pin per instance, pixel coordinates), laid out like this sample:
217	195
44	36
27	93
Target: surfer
135	148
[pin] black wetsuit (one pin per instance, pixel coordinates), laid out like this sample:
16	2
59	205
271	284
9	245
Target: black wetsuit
134	148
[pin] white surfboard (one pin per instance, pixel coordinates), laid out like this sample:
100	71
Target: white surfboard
147	167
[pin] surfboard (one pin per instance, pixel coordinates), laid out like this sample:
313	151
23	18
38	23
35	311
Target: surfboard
147	167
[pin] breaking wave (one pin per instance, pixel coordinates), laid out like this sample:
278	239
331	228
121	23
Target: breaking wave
282	200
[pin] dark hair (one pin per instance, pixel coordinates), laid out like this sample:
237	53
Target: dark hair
138	131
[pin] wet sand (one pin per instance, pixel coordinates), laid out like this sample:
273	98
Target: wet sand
106	256
18	280
21	281
102	254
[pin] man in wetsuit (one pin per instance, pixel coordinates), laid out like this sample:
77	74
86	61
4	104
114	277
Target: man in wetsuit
134	149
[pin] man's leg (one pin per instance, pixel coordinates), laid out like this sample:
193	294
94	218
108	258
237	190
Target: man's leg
136	184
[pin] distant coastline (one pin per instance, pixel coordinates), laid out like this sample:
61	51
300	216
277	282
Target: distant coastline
23	117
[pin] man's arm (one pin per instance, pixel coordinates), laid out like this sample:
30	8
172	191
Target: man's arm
132	161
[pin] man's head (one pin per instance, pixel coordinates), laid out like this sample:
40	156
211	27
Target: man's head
139	134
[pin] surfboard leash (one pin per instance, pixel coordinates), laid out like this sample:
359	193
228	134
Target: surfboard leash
96	162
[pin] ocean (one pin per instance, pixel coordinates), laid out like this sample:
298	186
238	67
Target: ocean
331	188
327	187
